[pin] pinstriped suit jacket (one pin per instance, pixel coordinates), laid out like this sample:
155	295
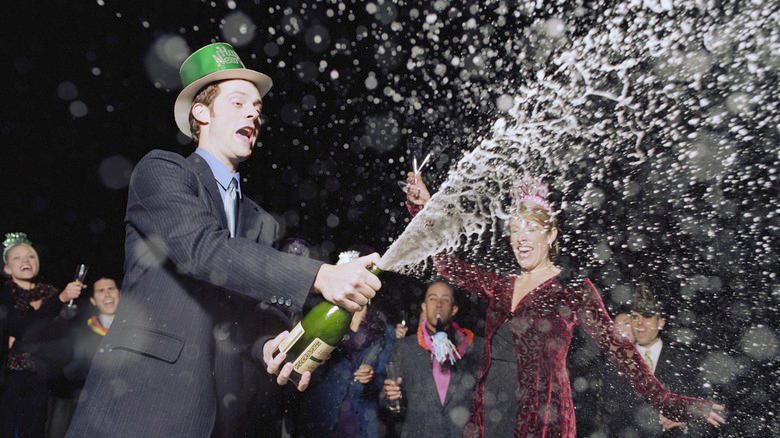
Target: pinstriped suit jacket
153	375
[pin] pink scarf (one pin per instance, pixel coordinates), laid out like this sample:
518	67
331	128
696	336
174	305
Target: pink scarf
442	372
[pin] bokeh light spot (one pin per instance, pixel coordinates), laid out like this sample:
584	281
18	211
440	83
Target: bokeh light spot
115	171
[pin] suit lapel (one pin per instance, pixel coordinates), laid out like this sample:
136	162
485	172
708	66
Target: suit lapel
430	389
248	216
455	376
660	366
664	368
253	222
206	178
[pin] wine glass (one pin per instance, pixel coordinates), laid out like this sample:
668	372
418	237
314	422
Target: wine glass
81	273
414	147
393	373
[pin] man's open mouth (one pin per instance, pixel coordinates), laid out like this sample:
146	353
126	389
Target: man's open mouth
247	132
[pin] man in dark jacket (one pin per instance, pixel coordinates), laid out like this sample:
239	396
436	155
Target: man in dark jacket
673	364
434	397
197	252
76	348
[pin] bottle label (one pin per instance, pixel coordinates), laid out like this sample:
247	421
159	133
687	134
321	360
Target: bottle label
315	354
291	338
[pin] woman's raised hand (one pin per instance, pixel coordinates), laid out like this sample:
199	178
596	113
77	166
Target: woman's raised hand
416	192
72	291
714	418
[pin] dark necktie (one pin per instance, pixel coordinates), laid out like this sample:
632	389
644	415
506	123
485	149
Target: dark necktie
231	206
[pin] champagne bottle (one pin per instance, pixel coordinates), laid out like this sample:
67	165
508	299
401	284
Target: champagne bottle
313	339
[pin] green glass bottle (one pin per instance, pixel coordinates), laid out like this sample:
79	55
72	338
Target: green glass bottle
313	339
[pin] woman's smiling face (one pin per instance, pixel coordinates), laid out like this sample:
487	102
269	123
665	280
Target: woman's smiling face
530	242
22	262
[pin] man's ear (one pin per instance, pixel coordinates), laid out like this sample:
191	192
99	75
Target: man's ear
7	270
661	323
454	311
92	300
201	113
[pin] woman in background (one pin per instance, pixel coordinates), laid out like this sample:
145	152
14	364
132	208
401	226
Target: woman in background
29	307
522	387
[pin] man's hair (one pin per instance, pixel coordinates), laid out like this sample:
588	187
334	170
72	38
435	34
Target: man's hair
645	301
623	308
116	281
206	96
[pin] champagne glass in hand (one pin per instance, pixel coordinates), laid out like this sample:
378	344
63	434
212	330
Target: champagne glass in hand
81	273
393	373
415	149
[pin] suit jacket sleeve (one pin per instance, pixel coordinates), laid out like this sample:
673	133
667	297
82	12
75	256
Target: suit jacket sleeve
169	207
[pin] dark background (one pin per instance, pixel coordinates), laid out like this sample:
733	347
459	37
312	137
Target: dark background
86	96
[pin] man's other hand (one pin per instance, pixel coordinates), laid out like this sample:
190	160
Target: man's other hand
274	364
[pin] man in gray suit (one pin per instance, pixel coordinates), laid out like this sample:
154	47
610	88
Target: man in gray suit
435	397
196	251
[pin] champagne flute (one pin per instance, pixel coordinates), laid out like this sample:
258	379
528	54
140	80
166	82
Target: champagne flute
81	272
414	147
393	373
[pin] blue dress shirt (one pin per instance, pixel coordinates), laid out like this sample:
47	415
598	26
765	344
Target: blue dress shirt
221	173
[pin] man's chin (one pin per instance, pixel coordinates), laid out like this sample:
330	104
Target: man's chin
245	153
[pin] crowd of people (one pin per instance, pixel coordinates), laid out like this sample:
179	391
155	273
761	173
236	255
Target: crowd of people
50	350
529	326
47	347
207	299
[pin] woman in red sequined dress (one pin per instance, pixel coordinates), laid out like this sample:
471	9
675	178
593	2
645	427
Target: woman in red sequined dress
528	329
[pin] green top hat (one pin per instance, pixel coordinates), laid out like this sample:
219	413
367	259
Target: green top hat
215	62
